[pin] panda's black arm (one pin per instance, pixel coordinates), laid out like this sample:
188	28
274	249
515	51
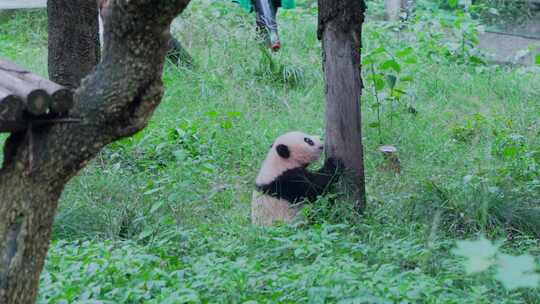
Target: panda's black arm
318	182
299	183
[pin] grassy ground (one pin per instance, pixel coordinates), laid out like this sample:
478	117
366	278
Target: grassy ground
163	217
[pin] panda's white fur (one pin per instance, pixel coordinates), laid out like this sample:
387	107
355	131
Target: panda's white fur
265	209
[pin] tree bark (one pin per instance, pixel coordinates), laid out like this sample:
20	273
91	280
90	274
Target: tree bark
340	29
73	40
114	101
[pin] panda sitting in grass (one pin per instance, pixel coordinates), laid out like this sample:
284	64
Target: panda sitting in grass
284	180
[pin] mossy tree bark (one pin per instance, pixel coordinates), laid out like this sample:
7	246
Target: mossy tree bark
114	101
340	29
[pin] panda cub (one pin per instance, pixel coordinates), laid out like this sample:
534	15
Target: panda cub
285	180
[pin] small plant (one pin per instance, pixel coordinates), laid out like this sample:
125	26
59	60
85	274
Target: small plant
389	82
469	129
511	271
273	70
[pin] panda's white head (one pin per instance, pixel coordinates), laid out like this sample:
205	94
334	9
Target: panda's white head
289	151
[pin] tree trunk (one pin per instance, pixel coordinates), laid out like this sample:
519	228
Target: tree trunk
115	101
73	40
392	9
340	29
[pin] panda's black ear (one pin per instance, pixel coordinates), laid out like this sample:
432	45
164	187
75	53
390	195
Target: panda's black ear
283	151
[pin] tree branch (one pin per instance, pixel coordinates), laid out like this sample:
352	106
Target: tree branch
116	100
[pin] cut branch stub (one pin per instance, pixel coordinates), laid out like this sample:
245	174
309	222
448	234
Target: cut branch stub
11	106
390	156
62	100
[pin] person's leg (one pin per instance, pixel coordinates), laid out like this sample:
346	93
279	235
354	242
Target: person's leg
178	54
266	22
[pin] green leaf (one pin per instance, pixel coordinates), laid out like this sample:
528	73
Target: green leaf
517	271
452	3
152	191
510	151
378	50
400	91
477	60
391	80
406	79
411	60
379	84
390	64
378	81
537	59
374	125
367	60
404	52
478	254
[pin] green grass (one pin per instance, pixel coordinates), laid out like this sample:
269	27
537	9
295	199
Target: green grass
163	217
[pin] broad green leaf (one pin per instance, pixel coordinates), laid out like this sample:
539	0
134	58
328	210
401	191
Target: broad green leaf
379	84
374	125
510	151
517	271
537	59
452	3
378	81
479	254
367	60
390	64
404	52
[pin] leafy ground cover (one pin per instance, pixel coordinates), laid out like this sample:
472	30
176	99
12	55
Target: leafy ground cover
163	217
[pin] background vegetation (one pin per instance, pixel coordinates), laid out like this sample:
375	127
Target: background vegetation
163	217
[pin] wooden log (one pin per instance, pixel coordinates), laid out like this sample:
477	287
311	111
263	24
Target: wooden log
16	4
36	100
61	97
11	106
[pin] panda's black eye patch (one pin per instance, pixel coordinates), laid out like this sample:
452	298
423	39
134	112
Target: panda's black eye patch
309	141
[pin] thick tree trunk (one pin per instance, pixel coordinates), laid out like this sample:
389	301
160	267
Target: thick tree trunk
73	40
340	28
113	102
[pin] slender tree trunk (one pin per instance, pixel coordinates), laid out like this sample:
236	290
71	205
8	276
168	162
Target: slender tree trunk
392	9
114	101
73	40
340	29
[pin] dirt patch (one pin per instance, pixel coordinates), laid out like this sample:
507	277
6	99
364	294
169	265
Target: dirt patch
510	48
